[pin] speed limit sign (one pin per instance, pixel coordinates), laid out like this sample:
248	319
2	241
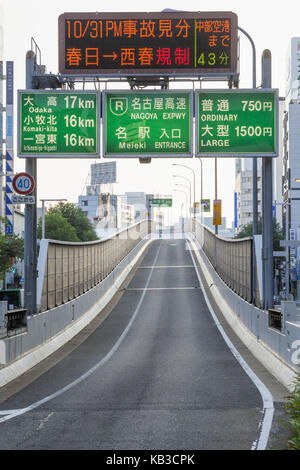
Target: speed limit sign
23	183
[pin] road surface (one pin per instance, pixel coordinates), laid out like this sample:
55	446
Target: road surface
156	374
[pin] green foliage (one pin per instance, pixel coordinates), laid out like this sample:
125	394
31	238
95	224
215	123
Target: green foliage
77	218
278	234
292	407
10	247
57	228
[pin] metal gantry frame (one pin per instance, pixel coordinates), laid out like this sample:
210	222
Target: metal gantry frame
37	78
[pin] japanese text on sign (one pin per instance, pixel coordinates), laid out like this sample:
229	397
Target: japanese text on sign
217	212
162	202
58	123
152	123
183	42
231	123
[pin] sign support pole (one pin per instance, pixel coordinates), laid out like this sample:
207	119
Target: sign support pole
267	198
216	226
254	177
30	238
9	154
1	142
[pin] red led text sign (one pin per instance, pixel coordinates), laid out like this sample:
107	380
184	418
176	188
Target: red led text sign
182	43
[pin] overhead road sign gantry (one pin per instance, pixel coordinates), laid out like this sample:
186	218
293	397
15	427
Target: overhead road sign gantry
132	44
147	123
237	123
61	124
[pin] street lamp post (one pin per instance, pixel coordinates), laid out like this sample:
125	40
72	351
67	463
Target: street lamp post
201	193
190	186
43	212
185	186
185	166
186	197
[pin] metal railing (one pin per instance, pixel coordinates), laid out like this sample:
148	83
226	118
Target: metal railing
67	270
233	260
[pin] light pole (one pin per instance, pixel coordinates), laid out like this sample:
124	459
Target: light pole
216	226
43	212
254	174
186	197
190	186
185	166
201	191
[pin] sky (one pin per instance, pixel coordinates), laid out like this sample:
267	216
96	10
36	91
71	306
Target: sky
270	24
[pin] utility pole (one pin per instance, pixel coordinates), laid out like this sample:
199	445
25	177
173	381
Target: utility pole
267	200
30	237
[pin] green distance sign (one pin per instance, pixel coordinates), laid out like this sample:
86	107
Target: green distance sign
237	123
162	202
58	124
152	123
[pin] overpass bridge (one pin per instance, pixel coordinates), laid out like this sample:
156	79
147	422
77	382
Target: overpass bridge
146	342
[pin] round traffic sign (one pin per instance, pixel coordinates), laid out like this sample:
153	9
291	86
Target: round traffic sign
23	183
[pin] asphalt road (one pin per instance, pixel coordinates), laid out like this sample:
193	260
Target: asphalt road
156	374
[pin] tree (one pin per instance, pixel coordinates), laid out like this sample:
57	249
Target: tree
77	218
278	234
57	228
11	246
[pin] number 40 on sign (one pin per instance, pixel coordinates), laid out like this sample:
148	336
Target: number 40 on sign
23	183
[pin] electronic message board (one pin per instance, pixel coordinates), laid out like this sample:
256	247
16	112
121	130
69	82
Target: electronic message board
147	123
58	123
238	123
131	44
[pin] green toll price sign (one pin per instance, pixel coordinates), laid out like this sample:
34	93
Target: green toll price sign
237	123
152	123
162	202
58	124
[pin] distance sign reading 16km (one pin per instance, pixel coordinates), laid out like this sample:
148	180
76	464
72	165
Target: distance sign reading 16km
58	124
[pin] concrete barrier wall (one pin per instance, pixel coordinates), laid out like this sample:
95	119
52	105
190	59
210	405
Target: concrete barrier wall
47	331
279	351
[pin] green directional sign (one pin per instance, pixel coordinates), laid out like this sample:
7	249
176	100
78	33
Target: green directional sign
152	123
162	202
58	124
237	123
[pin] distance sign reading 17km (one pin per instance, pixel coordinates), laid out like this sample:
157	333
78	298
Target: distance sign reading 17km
58	124
237	123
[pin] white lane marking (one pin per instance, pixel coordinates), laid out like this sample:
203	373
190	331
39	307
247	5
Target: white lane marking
21	411
163	267
268	406
165	288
